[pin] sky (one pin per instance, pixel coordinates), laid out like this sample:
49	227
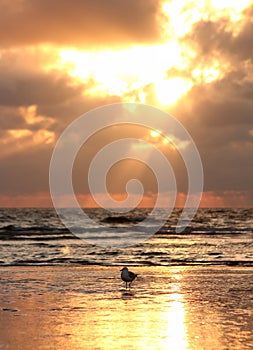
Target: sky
191	59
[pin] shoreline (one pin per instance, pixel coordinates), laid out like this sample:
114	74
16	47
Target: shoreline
88	307
174	263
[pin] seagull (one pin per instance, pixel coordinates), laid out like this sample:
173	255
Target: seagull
127	276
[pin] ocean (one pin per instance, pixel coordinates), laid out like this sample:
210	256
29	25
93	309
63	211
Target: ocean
214	237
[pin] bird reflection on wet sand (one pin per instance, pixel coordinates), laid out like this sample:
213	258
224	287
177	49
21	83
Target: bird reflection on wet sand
127	294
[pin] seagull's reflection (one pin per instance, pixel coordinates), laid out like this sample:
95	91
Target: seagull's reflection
127	294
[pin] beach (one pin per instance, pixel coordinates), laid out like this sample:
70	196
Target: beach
88	307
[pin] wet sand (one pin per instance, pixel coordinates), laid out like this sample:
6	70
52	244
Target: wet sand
75	308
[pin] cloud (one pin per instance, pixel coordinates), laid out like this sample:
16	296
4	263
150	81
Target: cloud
210	199
25	83
10	118
35	106
36	200
33	130
226	199
219	113
26	171
219	118
219	38
83	23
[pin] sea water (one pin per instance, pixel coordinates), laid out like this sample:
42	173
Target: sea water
215	236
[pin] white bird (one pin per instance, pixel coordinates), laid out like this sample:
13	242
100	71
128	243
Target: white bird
127	276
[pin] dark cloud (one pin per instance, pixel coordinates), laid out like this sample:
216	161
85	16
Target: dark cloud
26	172
42	88
70	109
220	38
10	119
220	121
209	36
24	84
78	22
218	105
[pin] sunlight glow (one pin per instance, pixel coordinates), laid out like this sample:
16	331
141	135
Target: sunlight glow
155	133
17	140
183	14
156	138
121	71
44	136
19	133
31	116
232	8
39	136
206	75
170	90
142	73
176	327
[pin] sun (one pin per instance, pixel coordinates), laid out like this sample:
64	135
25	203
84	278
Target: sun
155	133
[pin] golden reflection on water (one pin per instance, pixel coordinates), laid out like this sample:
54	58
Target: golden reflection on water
75	309
134	322
177	332
174	317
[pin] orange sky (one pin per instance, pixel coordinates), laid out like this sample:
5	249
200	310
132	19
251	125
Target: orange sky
193	59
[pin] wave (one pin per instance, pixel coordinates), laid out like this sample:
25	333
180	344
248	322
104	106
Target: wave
11	232
14	228
85	262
